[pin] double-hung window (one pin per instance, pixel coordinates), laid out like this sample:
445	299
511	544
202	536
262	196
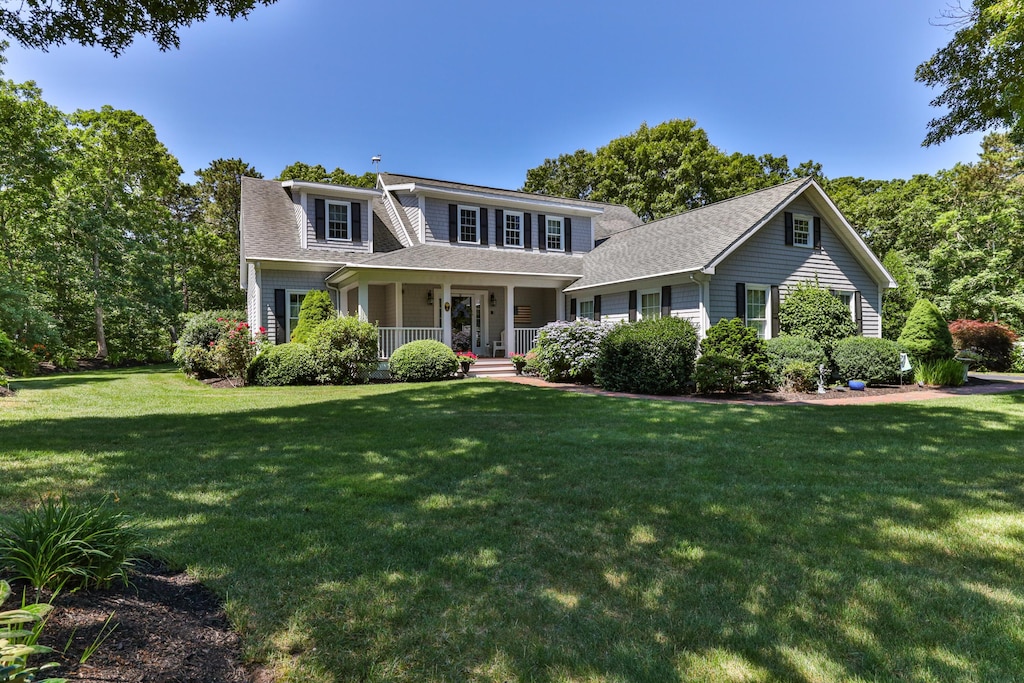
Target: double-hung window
513	229
586	309
802	227
554	233
338	224
848	299
469	222
757	310
650	304
294	304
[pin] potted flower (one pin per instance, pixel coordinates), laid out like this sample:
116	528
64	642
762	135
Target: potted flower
466	358
518	360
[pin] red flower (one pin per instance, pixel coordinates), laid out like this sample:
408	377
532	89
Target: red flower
263	330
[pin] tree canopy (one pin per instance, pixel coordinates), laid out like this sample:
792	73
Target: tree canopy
319	174
111	24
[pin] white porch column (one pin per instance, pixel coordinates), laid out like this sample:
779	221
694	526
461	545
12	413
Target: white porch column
398	304
446	316
364	301
559	305
510	321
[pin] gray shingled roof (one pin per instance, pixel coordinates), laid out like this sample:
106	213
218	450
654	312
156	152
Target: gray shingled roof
269	230
476	260
685	242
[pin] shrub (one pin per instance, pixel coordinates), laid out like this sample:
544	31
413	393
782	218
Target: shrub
59	543
532	367
423	361
18	633
316	308
733	339
811	311
714	372
897	302
14	359
946	372
1017	358
200	332
652	356
567	351
991	341
876	361
232	354
785	350
800	376
344	350
926	335
283	365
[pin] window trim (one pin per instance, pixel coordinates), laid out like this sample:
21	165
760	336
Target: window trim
476	212
579	308
328	203
767	289
561	233
640	303
810	230
852	303
288	304
504	229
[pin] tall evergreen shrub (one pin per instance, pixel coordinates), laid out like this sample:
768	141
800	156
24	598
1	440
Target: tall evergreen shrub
926	335
316	308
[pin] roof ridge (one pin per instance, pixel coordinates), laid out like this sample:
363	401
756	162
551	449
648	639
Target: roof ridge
505	189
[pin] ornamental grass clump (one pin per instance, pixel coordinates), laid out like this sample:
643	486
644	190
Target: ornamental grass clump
568	351
423	361
652	356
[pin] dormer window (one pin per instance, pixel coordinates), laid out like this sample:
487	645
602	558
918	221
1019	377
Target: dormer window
338	223
469	225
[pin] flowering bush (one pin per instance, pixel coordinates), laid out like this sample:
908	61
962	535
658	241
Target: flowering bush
567	351
466	357
236	348
462	341
991	341
192	353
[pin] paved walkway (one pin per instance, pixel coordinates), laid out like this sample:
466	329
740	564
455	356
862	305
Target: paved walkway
993	384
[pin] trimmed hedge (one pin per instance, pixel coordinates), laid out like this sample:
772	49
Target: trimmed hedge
926	335
568	351
423	361
813	312
283	365
789	349
653	356
715	372
316	308
876	361
732	339
992	342
344	350
800	376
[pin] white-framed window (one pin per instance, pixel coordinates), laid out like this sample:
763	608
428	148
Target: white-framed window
650	303
847	298
469	224
513	229
802	227
757	309
585	309
294	305
554	233
338	223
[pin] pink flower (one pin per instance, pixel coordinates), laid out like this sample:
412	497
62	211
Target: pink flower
263	330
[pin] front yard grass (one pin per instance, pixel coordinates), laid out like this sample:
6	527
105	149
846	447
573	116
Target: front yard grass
482	531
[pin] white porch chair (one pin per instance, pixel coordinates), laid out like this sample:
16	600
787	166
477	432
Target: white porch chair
498	345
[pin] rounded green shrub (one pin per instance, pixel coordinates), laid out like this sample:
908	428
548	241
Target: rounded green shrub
13	359
714	372
729	337
800	376
788	349
876	361
423	361
568	351
813	312
344	350
652	356
199	334
316	308
283	365
1017	358
926	335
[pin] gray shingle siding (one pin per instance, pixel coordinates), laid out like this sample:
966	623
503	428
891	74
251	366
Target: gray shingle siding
615	306
361	246
289	280
437	225
766	260
686	302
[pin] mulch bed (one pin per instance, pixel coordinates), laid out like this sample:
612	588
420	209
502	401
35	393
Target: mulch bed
836	392
169	629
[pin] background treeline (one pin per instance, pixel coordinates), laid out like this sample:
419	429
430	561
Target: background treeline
955	237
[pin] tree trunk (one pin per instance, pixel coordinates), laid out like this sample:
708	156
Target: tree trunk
101	337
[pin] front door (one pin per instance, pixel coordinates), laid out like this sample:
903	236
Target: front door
467	321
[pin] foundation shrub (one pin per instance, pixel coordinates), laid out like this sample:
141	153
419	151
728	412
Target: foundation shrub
788	349
799	376
283	365
992	342
344	350
732	339
876	361
926	335
653	356
813	312
316	308
199	333
423	361
568	351
714	373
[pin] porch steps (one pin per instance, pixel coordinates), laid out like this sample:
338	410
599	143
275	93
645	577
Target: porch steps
492	368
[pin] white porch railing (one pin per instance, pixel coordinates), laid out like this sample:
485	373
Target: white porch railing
526	338
390	338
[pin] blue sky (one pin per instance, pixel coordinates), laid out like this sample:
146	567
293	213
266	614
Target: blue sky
481	91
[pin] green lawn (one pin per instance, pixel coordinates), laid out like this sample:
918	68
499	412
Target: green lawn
483	531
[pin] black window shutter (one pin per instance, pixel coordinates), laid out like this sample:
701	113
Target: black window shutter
572	309
789	229
817	232
632	305
527	231
483	225
858	312
542	232
597	307
741	301
775	311
357	222
568	235
666	301
499	227
320	219
280	315
453	223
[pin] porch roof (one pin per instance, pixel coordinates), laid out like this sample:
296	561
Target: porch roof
432	257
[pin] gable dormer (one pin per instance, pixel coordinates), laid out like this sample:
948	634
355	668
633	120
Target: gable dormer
333	217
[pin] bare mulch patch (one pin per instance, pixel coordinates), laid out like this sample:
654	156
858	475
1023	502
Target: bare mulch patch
835	392
169	629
